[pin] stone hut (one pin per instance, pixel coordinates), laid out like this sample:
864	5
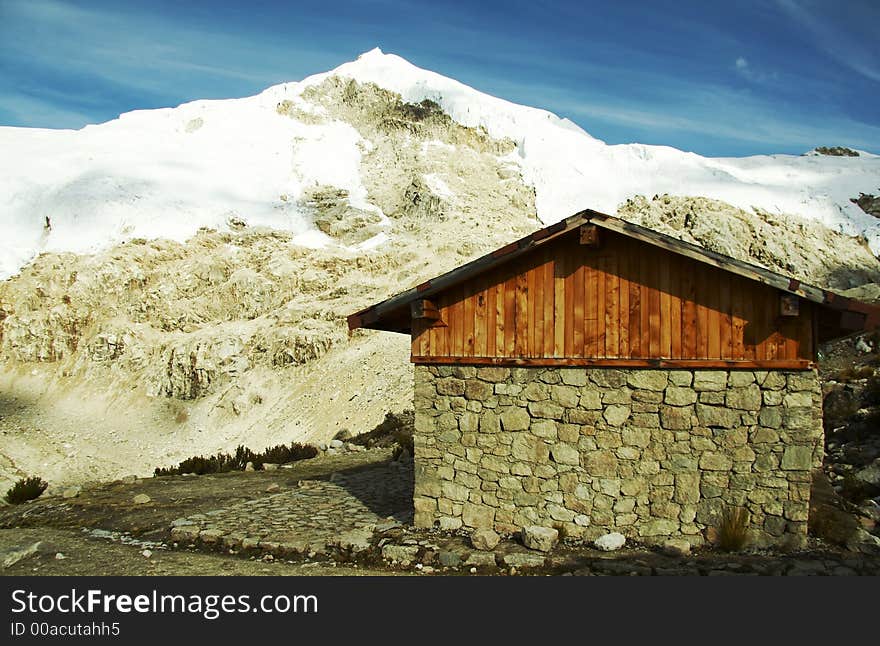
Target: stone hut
598	376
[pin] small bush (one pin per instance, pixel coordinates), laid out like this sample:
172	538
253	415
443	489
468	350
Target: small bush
390	431
224	462
181	416
26	489
852	373
404	439
731	535
871	394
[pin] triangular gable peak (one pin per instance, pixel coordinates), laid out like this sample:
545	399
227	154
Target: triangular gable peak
596	290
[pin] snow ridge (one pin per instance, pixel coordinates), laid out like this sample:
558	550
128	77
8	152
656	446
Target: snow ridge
167	172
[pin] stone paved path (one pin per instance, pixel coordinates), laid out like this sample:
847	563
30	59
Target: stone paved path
340	512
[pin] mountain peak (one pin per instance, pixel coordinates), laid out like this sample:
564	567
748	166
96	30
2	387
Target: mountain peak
167	172
372	53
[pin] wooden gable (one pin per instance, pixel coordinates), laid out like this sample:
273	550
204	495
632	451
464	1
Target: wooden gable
577	301
596	290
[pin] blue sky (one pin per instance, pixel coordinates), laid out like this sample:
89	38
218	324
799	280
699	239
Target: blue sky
731	78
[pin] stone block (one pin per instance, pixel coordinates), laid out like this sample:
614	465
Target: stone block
573	376
797	458
740	378
536	392
566	396
515	419
450	386
540	538
748	398
680	396
479	390
716	416
616	414
493	375
528	448
544	428
648	379
546	410
590	400
477	516
710	380
673	417
565	454
485	539
711	461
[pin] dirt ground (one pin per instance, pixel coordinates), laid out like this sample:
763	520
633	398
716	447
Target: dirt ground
103	531
103	526
85	555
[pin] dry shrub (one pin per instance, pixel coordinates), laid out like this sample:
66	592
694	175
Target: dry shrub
224	462
396	430
26	489
732	532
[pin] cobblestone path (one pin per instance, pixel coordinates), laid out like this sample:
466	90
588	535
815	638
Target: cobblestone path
314	515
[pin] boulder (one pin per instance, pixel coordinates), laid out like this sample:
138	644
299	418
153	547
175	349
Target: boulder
540	538
71	492
610	542
676	547
485	539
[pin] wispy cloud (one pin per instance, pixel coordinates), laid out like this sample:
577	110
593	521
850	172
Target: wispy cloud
142	56
857	51
750	73
32	111
706	111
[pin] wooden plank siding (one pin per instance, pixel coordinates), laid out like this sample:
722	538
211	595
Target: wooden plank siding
624	301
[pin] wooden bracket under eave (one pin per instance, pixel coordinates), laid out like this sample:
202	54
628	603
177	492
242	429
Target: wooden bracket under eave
789	305
589	235
426	310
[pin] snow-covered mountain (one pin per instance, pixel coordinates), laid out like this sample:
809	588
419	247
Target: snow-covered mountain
168	172
175	282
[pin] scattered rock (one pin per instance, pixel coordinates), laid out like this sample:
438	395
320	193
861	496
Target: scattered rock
147	553
16	553
519	560
336	444
355	540
481	559
676	547
870	474
71	492
865	542
610	542
59	556
269	466
540	538
249	466
141	499
403	554
449	559
273	488
485	539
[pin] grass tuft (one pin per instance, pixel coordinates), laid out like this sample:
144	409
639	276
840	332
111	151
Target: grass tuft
732	532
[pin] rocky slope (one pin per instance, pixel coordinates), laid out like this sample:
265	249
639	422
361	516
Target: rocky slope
154	350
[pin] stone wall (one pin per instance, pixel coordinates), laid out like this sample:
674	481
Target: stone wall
648	453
